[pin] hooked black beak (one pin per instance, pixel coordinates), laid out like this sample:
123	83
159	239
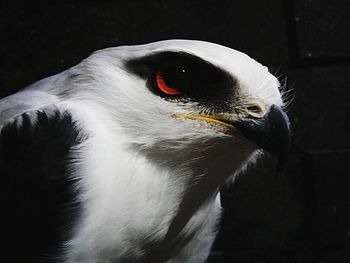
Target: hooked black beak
271	132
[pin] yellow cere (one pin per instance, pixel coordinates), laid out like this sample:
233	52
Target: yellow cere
207	118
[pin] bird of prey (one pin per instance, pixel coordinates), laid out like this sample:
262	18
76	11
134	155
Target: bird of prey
121	157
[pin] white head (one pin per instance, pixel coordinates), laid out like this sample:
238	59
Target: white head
179	101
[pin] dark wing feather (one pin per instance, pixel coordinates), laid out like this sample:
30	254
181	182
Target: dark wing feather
37	193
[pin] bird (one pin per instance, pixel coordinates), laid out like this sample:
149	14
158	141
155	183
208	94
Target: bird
121	157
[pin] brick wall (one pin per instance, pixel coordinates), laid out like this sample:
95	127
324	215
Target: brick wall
303	216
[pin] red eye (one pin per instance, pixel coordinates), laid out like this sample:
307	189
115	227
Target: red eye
164	87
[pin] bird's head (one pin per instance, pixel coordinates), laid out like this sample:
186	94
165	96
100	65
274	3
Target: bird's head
182	96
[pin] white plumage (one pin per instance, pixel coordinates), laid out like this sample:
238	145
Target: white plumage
148	168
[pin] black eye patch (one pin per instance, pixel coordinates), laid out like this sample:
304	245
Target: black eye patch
183	76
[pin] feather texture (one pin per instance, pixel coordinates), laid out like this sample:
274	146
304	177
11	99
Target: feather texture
97	141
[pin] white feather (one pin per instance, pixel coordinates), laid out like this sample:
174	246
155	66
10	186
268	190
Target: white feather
139	162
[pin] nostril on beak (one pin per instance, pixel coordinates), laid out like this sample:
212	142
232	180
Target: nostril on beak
256	110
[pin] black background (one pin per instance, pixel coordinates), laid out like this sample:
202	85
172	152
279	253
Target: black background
303	216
